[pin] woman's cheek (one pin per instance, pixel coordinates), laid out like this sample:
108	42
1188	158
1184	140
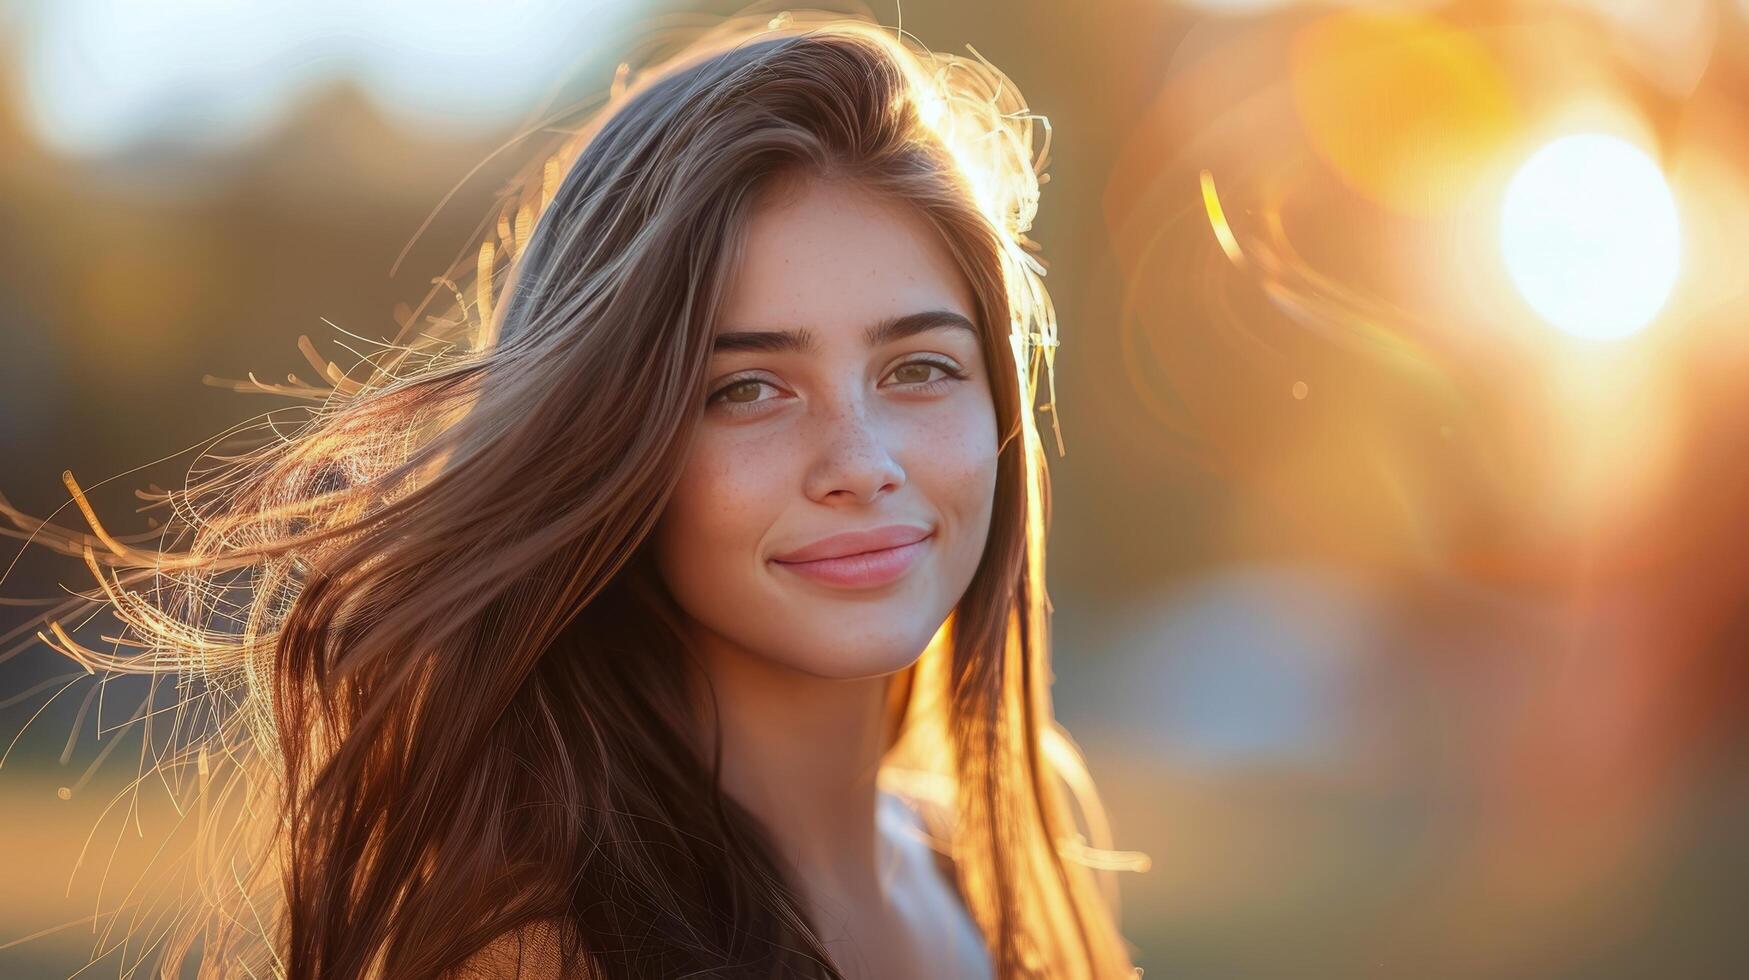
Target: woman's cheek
953	466
957	454
729	497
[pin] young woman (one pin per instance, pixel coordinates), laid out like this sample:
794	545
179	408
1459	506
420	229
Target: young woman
675	609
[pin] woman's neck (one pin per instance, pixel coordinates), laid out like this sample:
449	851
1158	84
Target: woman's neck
802	753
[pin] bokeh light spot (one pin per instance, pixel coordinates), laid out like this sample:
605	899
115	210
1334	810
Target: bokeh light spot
1589	234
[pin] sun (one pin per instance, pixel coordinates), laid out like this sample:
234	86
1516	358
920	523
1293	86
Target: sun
1590	236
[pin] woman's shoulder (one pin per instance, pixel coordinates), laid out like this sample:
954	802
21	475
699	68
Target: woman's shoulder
930	796
923	815
529	952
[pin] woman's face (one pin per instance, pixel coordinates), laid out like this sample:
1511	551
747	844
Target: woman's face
820	423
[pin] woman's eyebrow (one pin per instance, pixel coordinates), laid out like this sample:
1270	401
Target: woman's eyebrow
803	341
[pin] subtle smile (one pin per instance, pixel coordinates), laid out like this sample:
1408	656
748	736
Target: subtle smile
863	570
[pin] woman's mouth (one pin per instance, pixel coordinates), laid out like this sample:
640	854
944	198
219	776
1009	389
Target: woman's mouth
861	571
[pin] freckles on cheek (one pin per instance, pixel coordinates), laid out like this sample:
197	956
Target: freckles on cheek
725	494
959	455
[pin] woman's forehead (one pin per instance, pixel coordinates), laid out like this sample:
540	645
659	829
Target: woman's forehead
833	257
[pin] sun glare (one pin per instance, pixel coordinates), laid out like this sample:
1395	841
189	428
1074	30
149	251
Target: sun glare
1590	236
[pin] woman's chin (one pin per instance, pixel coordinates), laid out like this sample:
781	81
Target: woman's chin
845	664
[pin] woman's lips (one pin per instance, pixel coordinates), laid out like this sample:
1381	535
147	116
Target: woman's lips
863	571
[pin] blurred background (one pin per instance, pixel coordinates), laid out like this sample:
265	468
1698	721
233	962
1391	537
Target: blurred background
1400	554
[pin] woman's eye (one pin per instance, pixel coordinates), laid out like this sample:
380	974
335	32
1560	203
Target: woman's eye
741	391
916	372
740	396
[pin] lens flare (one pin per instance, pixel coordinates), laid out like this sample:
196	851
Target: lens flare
1590	236
1403	106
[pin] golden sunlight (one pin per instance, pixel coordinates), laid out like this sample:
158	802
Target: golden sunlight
1590	236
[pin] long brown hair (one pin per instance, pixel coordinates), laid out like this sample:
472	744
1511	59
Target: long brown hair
456	703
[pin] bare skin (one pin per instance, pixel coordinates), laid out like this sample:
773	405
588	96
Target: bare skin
798	445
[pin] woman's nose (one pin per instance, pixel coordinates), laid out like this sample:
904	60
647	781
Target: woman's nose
855	459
